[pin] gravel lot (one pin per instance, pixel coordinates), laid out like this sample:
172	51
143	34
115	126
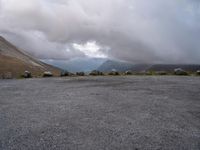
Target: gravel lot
100	113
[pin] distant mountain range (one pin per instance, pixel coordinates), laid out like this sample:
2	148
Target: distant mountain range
124	66
171	67
16	61
118	65
85	64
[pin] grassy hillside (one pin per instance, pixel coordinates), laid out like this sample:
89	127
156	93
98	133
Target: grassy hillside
17	67
15	61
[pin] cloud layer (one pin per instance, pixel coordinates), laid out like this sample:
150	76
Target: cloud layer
139	31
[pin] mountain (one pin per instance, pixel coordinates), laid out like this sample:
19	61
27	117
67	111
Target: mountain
112	64
15	61
77	64
124	66
171	67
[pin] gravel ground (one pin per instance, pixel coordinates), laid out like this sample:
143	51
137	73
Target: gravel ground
100	113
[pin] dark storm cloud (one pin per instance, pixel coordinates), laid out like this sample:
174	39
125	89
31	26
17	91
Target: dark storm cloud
153	31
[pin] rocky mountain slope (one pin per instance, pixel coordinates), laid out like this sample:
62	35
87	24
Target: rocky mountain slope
15	61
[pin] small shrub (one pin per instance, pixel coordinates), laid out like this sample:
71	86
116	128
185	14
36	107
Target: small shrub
162	73
7	75
113	73
96	73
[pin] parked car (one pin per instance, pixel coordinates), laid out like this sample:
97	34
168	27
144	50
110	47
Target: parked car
180	71
114	72
47	74
27	74
198	72
128	72
64	73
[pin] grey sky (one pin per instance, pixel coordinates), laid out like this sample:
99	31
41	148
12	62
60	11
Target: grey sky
155	31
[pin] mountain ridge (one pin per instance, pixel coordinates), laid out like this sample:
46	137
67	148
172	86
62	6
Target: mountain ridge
125	66
16	61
